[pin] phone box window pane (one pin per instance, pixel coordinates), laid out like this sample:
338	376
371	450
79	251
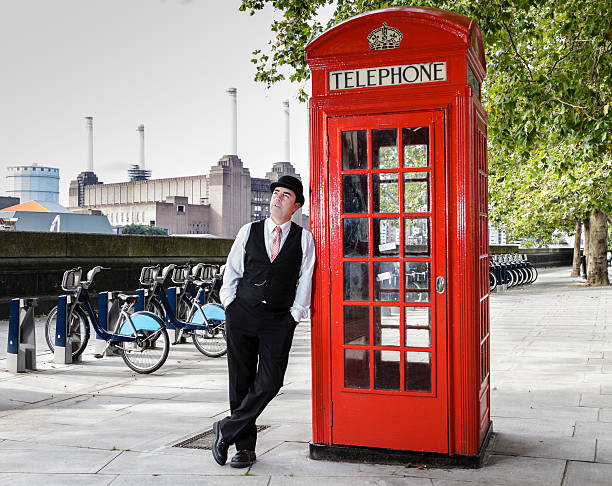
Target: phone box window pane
386	281
355	193
355	237
355	150
416	192
416	236
387	370
417	372
384	149
385	193
356	281
417	327
386	326
417	281
386	237
356	368
415	143
356	324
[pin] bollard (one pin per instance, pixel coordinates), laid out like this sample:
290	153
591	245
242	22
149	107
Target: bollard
21	345
63	347
108	312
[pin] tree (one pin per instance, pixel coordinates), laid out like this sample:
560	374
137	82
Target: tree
547	93
141	229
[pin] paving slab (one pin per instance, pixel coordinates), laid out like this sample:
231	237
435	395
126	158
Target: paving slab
585	473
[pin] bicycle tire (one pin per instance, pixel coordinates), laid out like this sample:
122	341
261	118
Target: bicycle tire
183	308
534	272
492	281
153	353
154	306
78	331
511	278
211	343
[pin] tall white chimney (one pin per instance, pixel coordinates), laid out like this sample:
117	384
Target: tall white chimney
89	125
287	146
140	130
233	148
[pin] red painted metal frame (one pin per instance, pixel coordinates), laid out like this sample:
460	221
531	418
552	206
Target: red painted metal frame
429	35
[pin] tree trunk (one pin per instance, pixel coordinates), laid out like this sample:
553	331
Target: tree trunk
587	237
576	263
597	266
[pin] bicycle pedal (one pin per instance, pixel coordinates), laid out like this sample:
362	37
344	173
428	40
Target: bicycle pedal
99	355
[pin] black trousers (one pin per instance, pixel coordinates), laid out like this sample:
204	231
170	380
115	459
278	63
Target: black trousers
258	344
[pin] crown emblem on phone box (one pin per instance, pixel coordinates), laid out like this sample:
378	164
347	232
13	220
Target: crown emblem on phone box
384	37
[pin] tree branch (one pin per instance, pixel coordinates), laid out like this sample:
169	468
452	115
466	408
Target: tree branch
516	50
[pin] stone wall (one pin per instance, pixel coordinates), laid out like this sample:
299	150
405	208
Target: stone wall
32	264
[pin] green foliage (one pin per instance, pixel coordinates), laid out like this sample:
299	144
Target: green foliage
547	91
141	229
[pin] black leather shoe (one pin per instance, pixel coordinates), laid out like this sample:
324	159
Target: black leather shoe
219	446
243	458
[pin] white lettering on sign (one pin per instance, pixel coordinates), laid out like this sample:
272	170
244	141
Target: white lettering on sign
428	72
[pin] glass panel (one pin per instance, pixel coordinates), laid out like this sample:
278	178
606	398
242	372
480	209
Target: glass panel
384	149
386	237
386	281
385	193
387	370
356	368
416	236
416	192
418	372
355	193
356	324
415	143
355	149
355	237
356	281
418	327
417	281
386	326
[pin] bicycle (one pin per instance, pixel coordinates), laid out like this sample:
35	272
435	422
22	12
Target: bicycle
204	322
140	338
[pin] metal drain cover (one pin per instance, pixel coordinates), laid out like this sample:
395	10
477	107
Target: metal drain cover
205	439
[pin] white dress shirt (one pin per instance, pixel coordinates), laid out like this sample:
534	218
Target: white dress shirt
234	268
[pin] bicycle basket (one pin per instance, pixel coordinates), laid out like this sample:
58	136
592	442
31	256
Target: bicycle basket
179	274
209	272
147	275
71	280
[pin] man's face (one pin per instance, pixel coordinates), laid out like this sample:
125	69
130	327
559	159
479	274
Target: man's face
282	205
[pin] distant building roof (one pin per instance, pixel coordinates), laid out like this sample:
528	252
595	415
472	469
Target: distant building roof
38	207
64	222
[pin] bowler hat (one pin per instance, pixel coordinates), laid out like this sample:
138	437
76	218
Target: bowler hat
292	183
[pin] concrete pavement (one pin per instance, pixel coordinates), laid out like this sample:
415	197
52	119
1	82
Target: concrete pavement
97	423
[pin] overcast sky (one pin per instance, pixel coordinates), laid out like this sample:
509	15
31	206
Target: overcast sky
162	63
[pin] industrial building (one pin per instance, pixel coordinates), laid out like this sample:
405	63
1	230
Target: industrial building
218	203
33	182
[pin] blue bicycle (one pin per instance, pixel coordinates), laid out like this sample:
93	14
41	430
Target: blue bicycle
193	315
140	338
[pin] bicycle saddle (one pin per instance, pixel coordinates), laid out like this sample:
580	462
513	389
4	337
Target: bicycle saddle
128	298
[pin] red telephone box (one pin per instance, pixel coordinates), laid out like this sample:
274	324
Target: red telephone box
398	206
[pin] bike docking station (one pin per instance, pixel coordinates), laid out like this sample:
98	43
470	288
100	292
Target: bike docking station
108	311
62	353
399	214
21	343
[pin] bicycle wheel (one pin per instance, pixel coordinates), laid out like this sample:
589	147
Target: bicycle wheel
534	273
78	331
154	306
149	353
183	308
210	341
492	281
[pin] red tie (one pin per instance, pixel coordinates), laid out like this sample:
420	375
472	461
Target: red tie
276	243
